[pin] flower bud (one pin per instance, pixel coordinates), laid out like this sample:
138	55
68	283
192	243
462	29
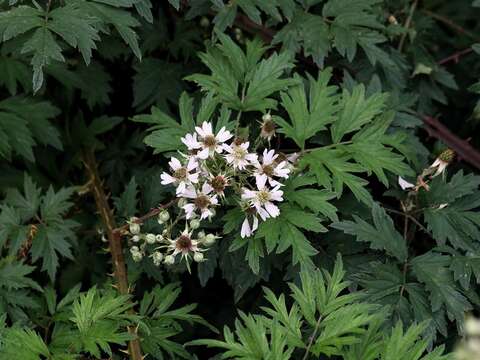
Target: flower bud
201	234
134	249
198	257
204	22
194	224
134	228
210	239
104	239
136	238
169	260
150	239
137	256
157	257
159	238
164	216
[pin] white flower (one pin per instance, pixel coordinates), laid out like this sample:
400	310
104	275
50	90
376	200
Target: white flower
270	168
219	183
182	175
208	143
404	184
247	229
202	201
267	130
238	155
184	244
263	198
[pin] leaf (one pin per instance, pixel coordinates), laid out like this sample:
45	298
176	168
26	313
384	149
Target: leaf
381	236
45	49
356	111
333	169
432	270
308	117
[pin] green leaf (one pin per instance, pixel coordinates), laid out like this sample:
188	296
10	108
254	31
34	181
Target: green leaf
432	269
307	118
45	49
381	236
333	170
356	111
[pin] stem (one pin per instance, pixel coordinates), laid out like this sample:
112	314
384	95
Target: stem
455	57
114	240
408	216
451	24
122	230
239	114
312	338
408	22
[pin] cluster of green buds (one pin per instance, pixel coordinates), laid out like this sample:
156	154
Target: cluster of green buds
163	248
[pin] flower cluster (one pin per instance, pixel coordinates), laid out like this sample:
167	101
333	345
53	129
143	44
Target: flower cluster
217	170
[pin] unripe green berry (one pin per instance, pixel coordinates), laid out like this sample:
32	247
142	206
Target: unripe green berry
210	239
164	216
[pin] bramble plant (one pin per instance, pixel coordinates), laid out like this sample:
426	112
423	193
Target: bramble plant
241	179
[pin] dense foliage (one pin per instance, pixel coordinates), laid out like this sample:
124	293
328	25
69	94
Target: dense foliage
241	179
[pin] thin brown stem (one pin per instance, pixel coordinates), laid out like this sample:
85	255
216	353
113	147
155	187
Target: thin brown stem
407	24
451	24
114	240
312	338
122	230
455	57
408	216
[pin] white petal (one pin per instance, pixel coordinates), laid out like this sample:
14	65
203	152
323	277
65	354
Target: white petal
193	178
189	210
263	214
261	180
181	188
206	188
203	154
175	164
272	209
189	193
167	179
404	184
192	163
248	194
245	231
223	135
255	224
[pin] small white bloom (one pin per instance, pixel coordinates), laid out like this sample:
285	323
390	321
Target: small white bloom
184	245
219	184
208	143
271	168
238	155
150	238
404	184
247	229
202	201
263	198
182	175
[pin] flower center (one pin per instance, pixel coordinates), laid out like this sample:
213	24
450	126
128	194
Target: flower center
268	170
218	183
239	153
184	242
263	196
202	201
268	126
180	173
209	141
